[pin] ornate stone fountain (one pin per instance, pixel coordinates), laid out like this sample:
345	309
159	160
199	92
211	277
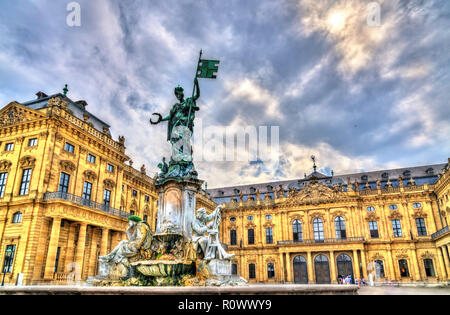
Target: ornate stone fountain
185	248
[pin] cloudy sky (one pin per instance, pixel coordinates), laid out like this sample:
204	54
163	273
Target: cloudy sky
359	97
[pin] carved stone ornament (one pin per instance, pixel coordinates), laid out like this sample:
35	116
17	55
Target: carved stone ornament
109	184
372	217
12	116
314	193
427	254
294	217
27	161
67	166
89	175
419	213
395	216
377	256
5	165
316	215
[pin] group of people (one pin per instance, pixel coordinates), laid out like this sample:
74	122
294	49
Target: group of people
349	280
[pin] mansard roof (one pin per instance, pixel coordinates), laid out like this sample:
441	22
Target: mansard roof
421	174
78	108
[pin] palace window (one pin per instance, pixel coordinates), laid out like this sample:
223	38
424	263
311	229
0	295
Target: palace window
91	158
135	193
268	217
251	271
270	271
3	178
251	236
403	265
9	258
132	212
107	198
421	228
64	183
69	147
17	217
250	218
429	269
373	227
32	142
297	231
9	146
417	205
233	237
397	228
234	269
318	229
339	224
25	183
147	198
370	209
393	207
232	219
87	190
145	218
269	236
110	168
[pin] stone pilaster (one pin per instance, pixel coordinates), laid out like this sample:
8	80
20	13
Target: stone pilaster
52	249
356	264
104	242
310	269
79	256
333	267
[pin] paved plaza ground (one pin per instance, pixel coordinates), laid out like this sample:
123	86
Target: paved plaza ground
391	290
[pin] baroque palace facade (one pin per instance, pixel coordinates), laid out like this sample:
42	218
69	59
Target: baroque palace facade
389	225
66	193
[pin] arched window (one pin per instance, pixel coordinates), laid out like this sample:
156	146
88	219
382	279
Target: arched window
371	209
339	224
393	207
269	217
403	265
318	229
233	219
17	217
297	231
270	271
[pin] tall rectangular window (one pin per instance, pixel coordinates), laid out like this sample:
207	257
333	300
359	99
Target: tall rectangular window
25	183
421	228
69	148
233	237
251	271
429	269
107	197
110	168
251	236
9	258
397	228
9	146
3	178
91	158
64	183
87	189
270	270
32	142
234	269
269	236
373	227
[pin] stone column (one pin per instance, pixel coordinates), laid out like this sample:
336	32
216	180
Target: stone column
70	245
93	253
81	244
52	249
446	260
282	272
356	264
333	268
104	242
364	264
415	264
289	268
442	264
310	269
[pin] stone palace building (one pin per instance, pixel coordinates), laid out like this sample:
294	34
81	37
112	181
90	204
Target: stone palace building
66	193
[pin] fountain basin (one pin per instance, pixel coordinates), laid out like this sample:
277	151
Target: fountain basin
164	268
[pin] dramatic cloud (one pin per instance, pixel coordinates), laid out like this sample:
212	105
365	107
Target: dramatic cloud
357	96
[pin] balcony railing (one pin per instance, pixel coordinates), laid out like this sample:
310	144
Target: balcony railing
324	241
440	232
85	202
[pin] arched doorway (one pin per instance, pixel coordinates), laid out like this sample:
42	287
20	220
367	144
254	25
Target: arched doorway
344	266
322	268
300	270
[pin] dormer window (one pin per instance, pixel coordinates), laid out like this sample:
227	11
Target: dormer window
221	193
407	173
269	188
252	190
385	175
364	177
236	191
429	171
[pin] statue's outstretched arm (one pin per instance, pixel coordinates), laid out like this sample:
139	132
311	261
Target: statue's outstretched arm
197	87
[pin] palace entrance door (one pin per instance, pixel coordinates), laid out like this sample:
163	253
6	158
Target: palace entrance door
300	270
344	266
322	268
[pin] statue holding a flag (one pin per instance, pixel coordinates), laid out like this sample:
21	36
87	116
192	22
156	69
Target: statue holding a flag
181	123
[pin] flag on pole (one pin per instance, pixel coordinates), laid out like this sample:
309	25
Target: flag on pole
207	69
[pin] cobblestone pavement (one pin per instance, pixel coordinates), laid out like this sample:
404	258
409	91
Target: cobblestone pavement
388	290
